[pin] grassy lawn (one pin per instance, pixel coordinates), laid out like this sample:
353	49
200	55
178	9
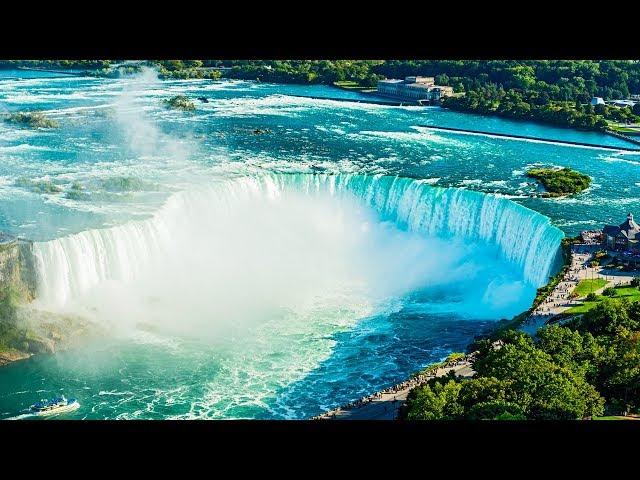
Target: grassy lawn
351	85
621	128
582	308
614	417
585	287
630	293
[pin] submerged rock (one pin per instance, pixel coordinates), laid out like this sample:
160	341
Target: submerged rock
180	102
32	119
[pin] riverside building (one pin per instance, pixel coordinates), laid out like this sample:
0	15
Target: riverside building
625	236
415	89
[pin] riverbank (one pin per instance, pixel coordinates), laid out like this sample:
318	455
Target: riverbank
8	356
50	70
526	137
386	404
623	136
389	103
43	332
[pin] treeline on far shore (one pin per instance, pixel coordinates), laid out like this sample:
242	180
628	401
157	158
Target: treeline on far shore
553	80
557	92
531	105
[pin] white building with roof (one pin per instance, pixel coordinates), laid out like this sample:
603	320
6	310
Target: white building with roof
414	88
623	103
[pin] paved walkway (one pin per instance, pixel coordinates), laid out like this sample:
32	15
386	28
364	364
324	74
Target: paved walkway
385	405
560	299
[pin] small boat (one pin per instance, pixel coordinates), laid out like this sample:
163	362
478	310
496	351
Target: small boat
55	406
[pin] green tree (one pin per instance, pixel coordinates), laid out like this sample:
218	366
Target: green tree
608	316
580	352
435	401
544	389
482	389
601	109
622	371
496	410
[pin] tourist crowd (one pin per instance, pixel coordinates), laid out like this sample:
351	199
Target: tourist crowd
561	296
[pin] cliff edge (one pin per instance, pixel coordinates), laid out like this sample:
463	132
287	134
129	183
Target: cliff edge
25	331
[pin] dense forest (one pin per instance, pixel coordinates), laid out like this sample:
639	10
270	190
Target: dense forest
548	91
587	367
564	80
559	80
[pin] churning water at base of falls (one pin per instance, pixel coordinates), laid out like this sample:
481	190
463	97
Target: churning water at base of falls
276	295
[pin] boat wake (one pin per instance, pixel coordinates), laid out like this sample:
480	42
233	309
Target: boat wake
22	416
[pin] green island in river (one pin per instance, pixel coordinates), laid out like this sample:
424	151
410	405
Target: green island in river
560	181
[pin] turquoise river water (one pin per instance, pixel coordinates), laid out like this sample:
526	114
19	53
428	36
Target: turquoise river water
276	273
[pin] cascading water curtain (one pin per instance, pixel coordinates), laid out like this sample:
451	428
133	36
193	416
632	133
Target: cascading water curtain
71	265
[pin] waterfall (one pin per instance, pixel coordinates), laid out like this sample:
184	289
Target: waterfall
71	265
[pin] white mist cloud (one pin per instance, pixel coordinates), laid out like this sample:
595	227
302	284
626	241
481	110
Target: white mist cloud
233	256
141	133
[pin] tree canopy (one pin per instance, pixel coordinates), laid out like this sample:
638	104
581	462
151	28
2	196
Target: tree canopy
560	181
586	367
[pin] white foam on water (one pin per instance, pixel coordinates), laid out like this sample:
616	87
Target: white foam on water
420	135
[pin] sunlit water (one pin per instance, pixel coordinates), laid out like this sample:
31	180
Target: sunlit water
273	275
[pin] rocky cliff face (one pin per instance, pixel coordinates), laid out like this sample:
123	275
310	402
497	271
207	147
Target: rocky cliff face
25	331
17	267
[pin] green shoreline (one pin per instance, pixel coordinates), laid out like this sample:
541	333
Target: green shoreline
362	76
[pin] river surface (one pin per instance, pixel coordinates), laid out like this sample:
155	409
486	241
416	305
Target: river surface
269	255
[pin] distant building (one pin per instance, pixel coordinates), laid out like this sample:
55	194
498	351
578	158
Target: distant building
623	103
416	89
597	101
625	236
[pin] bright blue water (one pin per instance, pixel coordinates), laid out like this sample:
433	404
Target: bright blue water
313	355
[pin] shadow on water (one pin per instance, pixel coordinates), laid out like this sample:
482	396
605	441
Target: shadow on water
378	352
132	381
